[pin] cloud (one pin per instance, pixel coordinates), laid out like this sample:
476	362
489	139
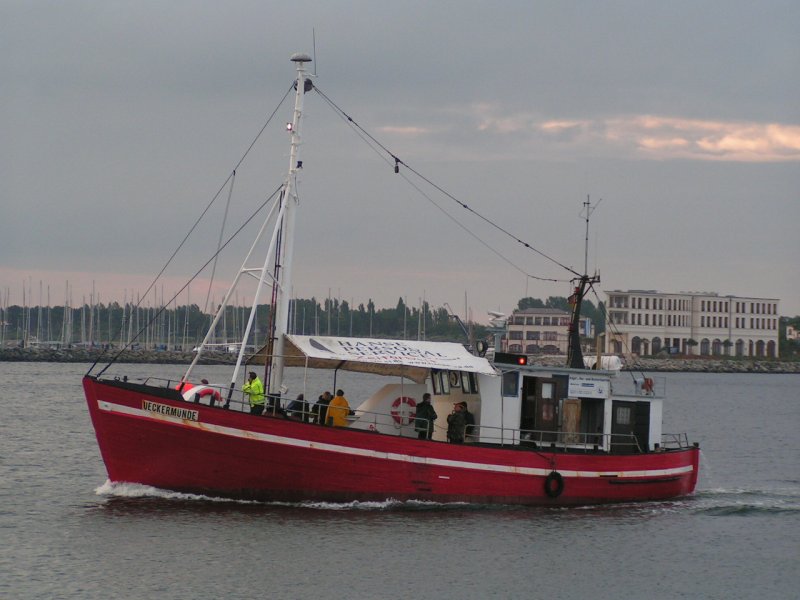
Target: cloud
652	136
668	137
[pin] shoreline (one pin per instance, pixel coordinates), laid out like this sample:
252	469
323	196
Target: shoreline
656	365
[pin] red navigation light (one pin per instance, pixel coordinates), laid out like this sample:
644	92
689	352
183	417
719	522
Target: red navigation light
508	358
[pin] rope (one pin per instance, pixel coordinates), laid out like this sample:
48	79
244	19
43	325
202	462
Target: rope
197	222
396	161
178	293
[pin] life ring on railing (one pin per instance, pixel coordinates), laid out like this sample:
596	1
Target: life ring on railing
553	484
403	410
201	391
647	385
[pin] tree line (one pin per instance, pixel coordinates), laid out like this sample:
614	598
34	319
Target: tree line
179	327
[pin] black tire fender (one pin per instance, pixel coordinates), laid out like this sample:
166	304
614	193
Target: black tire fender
553	484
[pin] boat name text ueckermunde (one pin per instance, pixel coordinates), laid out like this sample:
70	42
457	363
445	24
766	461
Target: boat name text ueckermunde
170	411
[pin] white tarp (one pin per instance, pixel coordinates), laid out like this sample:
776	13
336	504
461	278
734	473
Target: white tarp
406	358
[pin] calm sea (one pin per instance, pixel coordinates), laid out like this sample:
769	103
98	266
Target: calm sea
66	533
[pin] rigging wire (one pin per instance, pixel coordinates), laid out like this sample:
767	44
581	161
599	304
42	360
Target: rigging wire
398	161
372	143
636	366
219	191
197	273
219	241
230	179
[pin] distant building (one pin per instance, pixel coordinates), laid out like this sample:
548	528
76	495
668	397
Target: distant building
646	322
542	331
792	333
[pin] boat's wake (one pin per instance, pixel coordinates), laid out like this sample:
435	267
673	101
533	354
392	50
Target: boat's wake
134	490
748	502
712	502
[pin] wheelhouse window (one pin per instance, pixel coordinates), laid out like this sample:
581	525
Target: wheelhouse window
623	415
469	383
511	383
441	383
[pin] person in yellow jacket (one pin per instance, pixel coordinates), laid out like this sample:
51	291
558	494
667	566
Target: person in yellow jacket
338	410
255	391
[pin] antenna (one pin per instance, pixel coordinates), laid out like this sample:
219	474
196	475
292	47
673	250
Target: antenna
314	49
588	209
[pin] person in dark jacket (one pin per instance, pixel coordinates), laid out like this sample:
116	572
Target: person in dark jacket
456	424
423	424
298	410
469	430
321	407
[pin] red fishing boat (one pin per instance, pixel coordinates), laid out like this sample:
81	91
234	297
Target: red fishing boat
550	435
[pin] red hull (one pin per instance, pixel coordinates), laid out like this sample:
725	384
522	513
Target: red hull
226	453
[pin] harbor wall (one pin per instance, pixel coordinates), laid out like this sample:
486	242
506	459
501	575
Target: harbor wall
696	365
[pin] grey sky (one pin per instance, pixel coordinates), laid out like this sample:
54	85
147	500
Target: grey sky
120	121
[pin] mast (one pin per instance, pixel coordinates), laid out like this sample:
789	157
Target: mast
574	353
284	255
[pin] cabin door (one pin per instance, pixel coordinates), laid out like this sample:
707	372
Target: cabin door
546	407
642	428
571	410
527	421
623	426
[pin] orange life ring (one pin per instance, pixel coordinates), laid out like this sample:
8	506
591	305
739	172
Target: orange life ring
402	416
647	385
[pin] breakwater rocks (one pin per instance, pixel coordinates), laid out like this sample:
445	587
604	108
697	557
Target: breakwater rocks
694	365
84	355
712	365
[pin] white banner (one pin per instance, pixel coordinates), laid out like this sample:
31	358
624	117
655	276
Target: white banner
425	355
588	386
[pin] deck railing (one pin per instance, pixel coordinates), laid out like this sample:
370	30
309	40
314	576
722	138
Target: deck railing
405	426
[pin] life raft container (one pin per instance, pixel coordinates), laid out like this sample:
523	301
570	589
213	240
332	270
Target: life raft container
404	410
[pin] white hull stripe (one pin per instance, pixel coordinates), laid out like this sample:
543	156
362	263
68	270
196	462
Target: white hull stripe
363	452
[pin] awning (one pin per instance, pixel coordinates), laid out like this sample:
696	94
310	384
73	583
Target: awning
403	358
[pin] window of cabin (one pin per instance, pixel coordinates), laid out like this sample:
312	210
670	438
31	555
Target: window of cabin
441	384
510	383
469	383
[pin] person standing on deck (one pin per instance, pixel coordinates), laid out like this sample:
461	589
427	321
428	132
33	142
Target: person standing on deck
338	410
255	392
469	419
456	424
423	424
321	407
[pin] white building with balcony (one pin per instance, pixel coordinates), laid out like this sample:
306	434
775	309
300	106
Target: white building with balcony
541	331
645	322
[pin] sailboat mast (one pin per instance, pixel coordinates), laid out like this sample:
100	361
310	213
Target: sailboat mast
284	267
